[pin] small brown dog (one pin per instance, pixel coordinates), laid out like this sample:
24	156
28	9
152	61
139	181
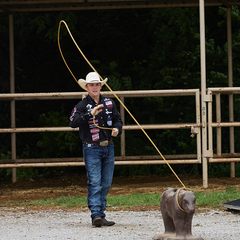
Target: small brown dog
177	208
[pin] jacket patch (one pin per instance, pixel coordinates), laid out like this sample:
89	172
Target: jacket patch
71	117
109	121
89	107
92	125
109	104
94	130
91	122
95	137
107	112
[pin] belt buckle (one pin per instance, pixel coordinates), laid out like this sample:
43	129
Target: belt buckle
104	143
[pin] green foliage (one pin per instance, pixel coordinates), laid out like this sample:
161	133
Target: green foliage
218	169
24	173
5	173
28	173
222	169
115	81
176	51
57	144
6	156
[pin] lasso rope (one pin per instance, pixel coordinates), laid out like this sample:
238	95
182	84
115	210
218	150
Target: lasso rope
62	21
177	199
71	71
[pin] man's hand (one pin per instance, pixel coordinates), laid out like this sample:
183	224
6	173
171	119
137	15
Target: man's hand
97	110
114	132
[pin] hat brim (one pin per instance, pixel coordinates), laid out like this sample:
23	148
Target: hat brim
83	82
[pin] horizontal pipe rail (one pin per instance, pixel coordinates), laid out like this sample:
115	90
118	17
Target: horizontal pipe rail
218	160
77	95
226	124
126	127
225	90
69	164
117	158
130	160
170	158
231	157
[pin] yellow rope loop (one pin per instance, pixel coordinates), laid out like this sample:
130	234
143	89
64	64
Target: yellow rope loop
70	69
113	94
177	199
184	188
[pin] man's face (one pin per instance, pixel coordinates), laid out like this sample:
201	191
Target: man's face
94	88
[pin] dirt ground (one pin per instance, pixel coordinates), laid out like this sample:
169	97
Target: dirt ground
75	185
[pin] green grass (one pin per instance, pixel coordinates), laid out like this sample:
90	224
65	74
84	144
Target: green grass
215	199
207	199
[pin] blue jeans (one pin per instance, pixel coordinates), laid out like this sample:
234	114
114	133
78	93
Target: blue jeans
99	163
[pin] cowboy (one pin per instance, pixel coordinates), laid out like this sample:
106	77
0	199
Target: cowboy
98	120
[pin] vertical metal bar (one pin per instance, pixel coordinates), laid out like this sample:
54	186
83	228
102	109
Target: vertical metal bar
203	92
122	112
210	134
198	121
12	90
218	120
230	84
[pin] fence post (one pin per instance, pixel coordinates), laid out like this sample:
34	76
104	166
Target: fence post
203	93
230	84
12	90
122	112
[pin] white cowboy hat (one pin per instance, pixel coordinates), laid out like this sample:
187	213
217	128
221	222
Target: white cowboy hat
92	77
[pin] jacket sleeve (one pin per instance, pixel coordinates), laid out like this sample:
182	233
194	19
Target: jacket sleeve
117	120
79	115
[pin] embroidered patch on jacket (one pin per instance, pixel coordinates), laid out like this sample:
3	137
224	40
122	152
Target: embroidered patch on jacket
92	125
109	104
71	117
109	121
94	130
89	107
107	112
95	137
91	122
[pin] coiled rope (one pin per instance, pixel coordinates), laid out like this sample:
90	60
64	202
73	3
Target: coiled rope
62	21
177	199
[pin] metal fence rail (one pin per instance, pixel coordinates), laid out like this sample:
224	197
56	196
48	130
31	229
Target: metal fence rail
232	157
120	160
196	128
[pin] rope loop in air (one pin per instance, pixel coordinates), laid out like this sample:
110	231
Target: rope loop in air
62	21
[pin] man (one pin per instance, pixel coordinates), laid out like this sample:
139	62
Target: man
98	120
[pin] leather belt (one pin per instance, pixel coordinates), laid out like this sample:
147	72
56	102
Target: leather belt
103	143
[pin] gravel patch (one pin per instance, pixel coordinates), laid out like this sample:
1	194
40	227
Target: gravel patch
21	223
